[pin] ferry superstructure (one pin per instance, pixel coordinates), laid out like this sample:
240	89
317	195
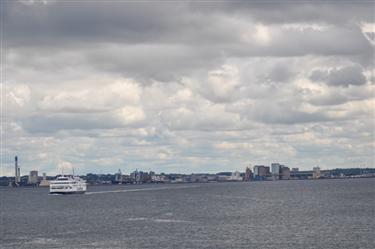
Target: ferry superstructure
67	184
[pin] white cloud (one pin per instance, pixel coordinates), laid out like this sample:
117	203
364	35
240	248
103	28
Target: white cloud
368	30
32	2
262	35
221	85
232	146
130	114
99	98
19	94
65	167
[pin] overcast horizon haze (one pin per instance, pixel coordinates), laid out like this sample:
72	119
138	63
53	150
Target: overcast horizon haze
186	87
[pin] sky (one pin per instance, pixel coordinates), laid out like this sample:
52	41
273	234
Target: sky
186	87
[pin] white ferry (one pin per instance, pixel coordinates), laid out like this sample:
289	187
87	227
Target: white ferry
67	184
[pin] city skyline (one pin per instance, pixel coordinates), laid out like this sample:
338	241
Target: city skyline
274	172
69	169
186	87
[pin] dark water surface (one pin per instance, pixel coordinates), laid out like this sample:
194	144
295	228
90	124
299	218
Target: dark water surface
283	214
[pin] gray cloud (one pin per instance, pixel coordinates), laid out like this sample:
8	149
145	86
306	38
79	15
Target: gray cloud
53	123
270	11
140	22
279	73
167	42
351	75
283	112
338	96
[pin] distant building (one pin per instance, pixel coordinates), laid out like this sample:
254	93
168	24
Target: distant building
33	177
280	172
285	173
159	178
177	180
236	176
135	176
295	169
196	178
140	177
212	178
118	177
316	173
276	170
44	182
260	172
301	175
151	173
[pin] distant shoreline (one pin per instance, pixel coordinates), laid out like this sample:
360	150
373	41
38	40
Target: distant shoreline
188	183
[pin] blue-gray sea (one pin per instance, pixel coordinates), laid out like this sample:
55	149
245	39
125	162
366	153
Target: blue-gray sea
278	214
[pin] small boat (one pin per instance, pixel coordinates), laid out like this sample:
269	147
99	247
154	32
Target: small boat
67	184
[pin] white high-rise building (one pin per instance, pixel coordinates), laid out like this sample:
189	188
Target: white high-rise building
275	168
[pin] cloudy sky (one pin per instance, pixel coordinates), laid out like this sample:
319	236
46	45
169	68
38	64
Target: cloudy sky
186	87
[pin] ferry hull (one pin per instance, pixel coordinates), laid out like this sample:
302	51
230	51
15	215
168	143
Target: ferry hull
67	193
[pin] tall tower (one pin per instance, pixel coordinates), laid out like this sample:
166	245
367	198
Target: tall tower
15	169
17	175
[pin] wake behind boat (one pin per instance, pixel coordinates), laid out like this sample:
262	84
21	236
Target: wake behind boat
67	184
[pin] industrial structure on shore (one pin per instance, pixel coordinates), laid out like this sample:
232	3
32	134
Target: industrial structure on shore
17	174
31	180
